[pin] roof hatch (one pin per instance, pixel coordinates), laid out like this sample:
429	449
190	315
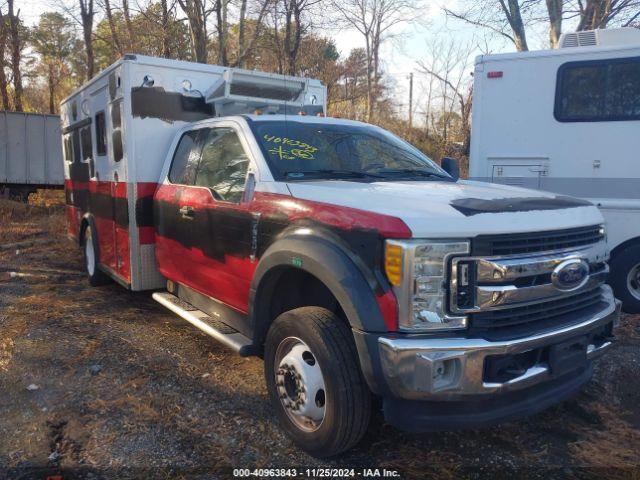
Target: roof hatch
601	38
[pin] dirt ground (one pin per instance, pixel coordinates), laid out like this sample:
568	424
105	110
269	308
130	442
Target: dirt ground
105	383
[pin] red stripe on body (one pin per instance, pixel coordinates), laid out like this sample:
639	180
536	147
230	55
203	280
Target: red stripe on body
229	281
207	275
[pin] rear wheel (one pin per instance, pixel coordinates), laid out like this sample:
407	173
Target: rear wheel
91	259
314	381
625	278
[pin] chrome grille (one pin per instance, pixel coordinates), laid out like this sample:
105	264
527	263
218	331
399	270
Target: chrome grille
514	244
525	320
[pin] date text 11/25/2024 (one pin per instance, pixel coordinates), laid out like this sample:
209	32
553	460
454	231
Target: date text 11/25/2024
316	473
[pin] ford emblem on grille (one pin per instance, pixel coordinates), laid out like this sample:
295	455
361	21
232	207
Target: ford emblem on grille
570	275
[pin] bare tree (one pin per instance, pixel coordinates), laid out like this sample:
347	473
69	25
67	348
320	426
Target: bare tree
126	12
16	55
504	17
245	47
164	24
4	84
448	64
596	14
221	8
555	12
115	37
86	17
374	19
290	22
197	14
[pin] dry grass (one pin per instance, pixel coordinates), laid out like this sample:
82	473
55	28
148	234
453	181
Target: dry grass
169	402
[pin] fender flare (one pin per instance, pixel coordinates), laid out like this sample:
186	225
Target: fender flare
624	245
330	265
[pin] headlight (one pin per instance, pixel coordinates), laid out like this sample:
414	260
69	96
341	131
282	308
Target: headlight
417	269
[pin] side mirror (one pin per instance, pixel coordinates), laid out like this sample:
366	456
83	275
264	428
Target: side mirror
450	165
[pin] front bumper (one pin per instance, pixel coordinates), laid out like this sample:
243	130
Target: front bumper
455	369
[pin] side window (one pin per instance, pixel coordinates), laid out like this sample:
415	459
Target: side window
77	154
68	149
101	133
223	164
87	145
185	159
599	90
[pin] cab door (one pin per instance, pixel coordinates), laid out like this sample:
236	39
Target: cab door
203	227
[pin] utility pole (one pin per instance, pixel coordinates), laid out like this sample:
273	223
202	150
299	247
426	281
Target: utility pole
410	99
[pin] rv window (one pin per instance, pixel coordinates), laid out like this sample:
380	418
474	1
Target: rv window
101	133
87	147
223	164
597	91
185	159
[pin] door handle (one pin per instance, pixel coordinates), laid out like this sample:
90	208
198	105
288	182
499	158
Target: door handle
187	212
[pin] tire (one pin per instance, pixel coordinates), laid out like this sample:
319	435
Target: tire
92	258
318	341
625	278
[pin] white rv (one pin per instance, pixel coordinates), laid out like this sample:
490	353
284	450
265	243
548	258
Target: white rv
568	121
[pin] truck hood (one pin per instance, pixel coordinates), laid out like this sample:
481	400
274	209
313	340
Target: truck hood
463	209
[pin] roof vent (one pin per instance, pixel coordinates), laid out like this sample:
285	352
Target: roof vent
601	38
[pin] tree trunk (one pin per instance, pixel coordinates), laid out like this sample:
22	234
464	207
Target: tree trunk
166	49
86	16
126	12
297	38
596	14
16	56
4	84
241	34
52	90
112	27
194	10
369	81
514	17
554	8
221	17
243	50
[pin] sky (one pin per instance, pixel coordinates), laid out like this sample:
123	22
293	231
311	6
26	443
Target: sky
400	54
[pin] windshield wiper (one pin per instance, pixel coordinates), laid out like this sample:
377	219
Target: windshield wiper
332	172
411	171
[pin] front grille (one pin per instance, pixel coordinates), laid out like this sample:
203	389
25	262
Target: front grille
513	244
525	320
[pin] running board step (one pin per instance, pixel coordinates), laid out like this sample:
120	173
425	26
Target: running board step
211	326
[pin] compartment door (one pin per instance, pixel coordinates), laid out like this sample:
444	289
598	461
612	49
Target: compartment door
523	175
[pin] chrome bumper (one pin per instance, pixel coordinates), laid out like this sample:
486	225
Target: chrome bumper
453	368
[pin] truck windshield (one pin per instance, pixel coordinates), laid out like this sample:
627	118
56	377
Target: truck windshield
305	151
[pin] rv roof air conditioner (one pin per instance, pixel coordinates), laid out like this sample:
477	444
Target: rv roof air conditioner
601	38
240	91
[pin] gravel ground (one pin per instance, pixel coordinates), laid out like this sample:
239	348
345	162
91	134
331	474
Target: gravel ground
105	383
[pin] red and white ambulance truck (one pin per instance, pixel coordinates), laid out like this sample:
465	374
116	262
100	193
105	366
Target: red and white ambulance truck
350	262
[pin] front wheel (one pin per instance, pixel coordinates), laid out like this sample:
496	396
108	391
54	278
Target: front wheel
314	381
625	278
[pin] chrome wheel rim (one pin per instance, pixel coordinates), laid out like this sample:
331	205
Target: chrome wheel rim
300	384
633	281
90	255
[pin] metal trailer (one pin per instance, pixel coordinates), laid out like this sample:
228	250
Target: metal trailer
30	153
